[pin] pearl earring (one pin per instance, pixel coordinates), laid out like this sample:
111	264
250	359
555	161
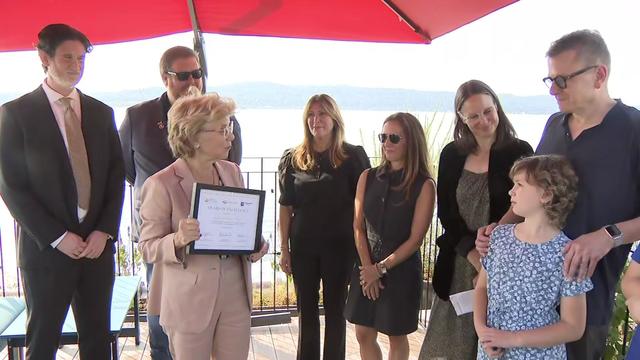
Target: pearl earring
197	146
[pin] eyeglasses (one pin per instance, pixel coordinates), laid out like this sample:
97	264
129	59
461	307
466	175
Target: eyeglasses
475	117
228	130
561	80
394	138
184	75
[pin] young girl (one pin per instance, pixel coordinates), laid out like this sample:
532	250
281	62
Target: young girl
631	290
522	283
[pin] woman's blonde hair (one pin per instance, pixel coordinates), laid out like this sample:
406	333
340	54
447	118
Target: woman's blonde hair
304	157
556	177
417	155
189	114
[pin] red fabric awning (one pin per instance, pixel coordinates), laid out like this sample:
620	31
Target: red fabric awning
110	21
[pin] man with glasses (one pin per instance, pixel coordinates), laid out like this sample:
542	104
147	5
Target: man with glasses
601	138
145	147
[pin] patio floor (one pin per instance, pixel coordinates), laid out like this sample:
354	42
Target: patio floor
267	343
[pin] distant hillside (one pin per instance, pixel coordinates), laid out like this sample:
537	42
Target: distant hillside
262	95
267	95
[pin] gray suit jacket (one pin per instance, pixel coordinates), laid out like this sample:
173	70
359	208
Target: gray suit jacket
36	180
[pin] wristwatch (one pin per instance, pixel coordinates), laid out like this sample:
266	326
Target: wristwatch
615	234
382	270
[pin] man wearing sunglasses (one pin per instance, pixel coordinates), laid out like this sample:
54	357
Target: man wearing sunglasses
143	135
601	138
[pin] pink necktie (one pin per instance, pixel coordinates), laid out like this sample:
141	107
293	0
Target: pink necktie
77	153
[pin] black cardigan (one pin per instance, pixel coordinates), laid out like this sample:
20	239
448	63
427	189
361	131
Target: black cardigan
457	239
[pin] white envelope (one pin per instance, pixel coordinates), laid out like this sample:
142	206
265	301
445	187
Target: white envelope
462	302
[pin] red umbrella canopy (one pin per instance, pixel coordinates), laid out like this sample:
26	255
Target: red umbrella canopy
109	21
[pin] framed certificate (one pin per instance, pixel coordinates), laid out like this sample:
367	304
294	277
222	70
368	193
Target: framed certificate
230	219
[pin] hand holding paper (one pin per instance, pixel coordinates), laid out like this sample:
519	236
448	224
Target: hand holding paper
258	255
188	231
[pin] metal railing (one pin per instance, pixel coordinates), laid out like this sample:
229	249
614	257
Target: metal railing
273	292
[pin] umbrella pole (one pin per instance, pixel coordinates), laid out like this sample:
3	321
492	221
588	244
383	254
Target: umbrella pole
412	24
198	42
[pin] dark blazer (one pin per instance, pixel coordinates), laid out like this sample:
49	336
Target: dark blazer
36	180
143	135
457	238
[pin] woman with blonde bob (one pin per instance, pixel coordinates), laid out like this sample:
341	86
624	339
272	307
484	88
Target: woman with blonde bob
393	210
204	301
317	186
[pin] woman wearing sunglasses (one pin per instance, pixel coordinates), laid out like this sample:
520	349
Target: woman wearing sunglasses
473	186
393	211
317	186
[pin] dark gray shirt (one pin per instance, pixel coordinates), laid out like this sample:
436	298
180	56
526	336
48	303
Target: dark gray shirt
606	159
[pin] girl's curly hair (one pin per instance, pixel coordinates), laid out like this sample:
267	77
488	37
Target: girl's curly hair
556	177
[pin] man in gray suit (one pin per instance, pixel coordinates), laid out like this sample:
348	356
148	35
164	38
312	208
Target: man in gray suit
62	178
143	135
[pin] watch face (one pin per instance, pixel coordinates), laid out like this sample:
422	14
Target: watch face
613	231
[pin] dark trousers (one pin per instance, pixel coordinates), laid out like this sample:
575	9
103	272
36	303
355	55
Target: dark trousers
591	345
333	270
86	285
158	340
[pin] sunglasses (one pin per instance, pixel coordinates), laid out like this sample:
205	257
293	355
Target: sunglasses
394	138
184	75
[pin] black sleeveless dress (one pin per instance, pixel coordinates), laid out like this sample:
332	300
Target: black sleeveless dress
388	216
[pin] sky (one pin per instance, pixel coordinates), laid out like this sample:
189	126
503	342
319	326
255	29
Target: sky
505	49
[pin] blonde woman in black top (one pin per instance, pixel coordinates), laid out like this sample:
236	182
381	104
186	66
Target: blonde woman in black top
318	181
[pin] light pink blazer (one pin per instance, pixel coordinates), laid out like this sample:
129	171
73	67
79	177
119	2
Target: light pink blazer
183	287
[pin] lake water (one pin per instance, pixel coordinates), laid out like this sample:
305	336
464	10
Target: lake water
267	133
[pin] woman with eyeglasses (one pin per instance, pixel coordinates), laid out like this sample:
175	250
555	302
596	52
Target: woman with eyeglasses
393	210
204	301
473	186
317	186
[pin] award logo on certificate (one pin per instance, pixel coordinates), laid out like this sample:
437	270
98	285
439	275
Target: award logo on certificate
230	219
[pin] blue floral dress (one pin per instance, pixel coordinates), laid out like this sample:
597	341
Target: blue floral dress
634	348
524	287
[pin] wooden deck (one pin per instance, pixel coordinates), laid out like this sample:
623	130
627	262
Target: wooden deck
267	343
